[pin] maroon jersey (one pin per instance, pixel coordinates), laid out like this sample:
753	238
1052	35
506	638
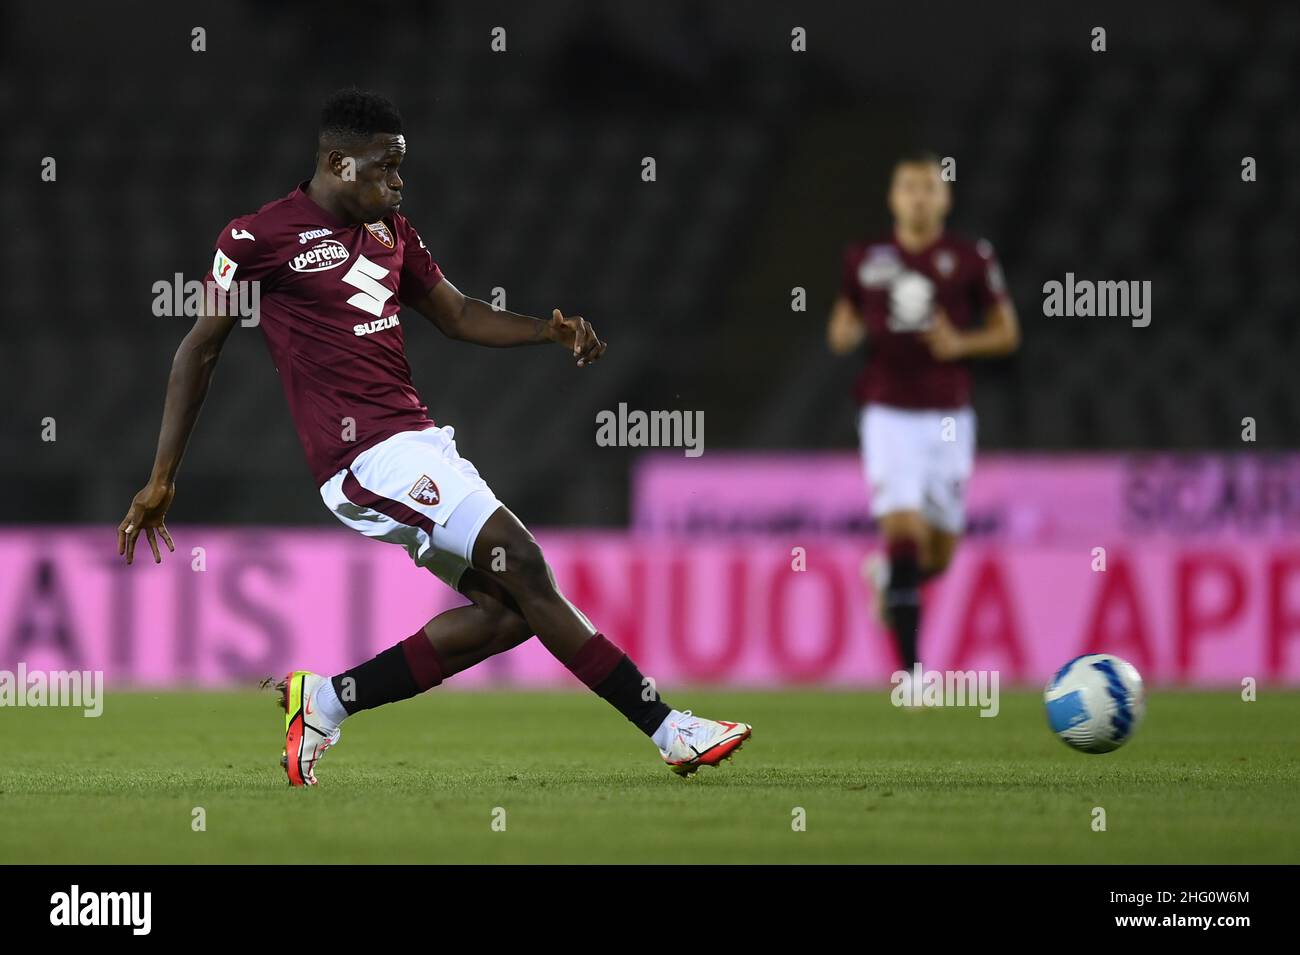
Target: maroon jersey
895	292
329	297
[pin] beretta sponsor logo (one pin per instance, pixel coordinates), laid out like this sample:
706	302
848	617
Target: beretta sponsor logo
322	256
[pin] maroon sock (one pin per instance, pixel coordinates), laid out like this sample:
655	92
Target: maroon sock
403	670
611	675
903	599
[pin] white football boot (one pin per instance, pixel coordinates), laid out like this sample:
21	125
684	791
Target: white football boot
699	742
307	735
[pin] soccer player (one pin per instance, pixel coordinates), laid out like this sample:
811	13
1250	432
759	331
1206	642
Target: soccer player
335	260
924	301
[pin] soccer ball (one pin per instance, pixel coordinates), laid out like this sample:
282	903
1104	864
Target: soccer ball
1095	702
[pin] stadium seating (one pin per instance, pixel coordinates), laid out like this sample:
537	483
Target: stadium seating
1132	171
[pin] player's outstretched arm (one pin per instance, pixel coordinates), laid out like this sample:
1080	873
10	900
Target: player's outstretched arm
186	388
845	330
472	320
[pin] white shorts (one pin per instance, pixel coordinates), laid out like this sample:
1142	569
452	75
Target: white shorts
413	489
919	461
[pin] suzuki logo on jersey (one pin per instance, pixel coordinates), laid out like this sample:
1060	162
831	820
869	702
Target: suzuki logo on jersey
425	491
223	269
378	325
305	237
318	258
911	303
369	278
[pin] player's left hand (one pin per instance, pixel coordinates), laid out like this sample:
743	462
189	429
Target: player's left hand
576	332
944	340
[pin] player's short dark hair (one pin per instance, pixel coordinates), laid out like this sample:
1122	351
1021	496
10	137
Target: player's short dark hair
918	157
352	114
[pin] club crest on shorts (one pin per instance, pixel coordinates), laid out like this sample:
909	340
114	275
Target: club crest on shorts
425	491
380	231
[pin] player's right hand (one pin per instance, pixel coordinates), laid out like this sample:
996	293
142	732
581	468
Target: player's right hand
146	513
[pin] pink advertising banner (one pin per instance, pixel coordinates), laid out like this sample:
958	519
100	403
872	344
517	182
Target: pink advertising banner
1026	499
754	611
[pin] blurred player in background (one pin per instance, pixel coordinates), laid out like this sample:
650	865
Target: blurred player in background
335	260
924	302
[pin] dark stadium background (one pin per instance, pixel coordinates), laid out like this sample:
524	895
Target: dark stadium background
524	172
734	580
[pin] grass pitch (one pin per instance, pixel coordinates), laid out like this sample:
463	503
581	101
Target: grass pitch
1208	778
